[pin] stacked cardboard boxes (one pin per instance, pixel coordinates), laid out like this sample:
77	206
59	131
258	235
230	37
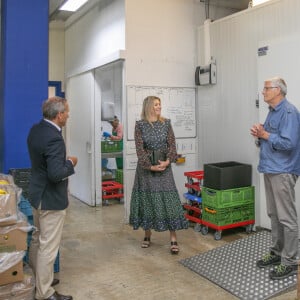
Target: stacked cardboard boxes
13	233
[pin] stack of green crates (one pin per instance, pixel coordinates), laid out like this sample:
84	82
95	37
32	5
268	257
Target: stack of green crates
119	176
225	207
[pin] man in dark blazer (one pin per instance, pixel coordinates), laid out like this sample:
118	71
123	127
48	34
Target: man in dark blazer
48	193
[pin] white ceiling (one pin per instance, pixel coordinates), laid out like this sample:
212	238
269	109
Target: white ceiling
57	15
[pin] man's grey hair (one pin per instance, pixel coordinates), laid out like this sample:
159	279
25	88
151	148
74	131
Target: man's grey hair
279	82
53	106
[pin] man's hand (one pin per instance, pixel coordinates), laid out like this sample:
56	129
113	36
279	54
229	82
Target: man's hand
73	159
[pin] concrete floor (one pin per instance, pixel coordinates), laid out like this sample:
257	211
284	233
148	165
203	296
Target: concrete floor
101	259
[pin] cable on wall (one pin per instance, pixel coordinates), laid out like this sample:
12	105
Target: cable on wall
207	4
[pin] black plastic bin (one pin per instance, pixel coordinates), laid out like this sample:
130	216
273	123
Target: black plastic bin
21	178
227	175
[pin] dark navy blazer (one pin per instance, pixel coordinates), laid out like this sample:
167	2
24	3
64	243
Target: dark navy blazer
49	167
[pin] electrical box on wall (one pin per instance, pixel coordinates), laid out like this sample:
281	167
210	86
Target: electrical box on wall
205	75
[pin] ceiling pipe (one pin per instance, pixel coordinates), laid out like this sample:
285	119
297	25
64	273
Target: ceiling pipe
207	54
206	5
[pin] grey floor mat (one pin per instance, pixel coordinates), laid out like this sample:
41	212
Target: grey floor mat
233	267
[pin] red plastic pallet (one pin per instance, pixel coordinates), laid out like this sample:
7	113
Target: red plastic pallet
195	186
193	213
194	181
195	174
112	189
228	226
111	185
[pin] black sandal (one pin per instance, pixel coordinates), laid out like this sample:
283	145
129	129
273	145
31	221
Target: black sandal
174	247
146	242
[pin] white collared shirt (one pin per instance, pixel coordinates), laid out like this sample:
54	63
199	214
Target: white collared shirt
58	128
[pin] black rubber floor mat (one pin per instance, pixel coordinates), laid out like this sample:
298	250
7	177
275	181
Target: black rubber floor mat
233	267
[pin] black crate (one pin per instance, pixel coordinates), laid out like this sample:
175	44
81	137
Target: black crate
227	175
21	178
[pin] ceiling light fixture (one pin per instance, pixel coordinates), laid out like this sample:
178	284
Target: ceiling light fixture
257	2
72	5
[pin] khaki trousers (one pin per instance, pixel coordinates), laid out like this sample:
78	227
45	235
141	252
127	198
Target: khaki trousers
44	247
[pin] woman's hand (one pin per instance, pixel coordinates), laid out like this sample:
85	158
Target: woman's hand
161	167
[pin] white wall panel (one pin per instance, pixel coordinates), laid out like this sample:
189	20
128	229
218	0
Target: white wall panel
161	41
94	36
160	46
57	54
274	63
227	110
161	51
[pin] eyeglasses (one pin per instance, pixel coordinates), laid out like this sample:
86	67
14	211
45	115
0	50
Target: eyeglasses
266	88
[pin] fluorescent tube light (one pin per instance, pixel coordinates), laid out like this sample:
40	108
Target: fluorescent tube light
257	2
72	5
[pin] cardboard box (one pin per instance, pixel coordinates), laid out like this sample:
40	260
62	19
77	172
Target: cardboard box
227	175
24	290
13	274
12	238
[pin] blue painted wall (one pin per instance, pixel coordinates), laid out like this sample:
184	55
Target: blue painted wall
24	69
1	96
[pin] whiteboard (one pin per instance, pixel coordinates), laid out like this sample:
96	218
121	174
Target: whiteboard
178	104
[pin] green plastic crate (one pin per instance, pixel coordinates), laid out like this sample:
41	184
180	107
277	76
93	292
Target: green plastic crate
227	216
228	198
119	176
111	146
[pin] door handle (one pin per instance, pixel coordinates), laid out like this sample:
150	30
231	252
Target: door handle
88	148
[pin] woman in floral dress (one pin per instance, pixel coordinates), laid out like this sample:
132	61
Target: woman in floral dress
155	202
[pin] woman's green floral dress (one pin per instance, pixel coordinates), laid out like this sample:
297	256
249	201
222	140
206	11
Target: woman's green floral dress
155	202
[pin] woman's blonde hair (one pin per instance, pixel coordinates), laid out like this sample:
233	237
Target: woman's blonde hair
148	105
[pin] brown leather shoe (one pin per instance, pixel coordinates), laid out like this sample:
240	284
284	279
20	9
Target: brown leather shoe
57	296
55	282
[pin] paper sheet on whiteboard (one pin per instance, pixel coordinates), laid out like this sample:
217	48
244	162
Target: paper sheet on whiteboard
178	104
